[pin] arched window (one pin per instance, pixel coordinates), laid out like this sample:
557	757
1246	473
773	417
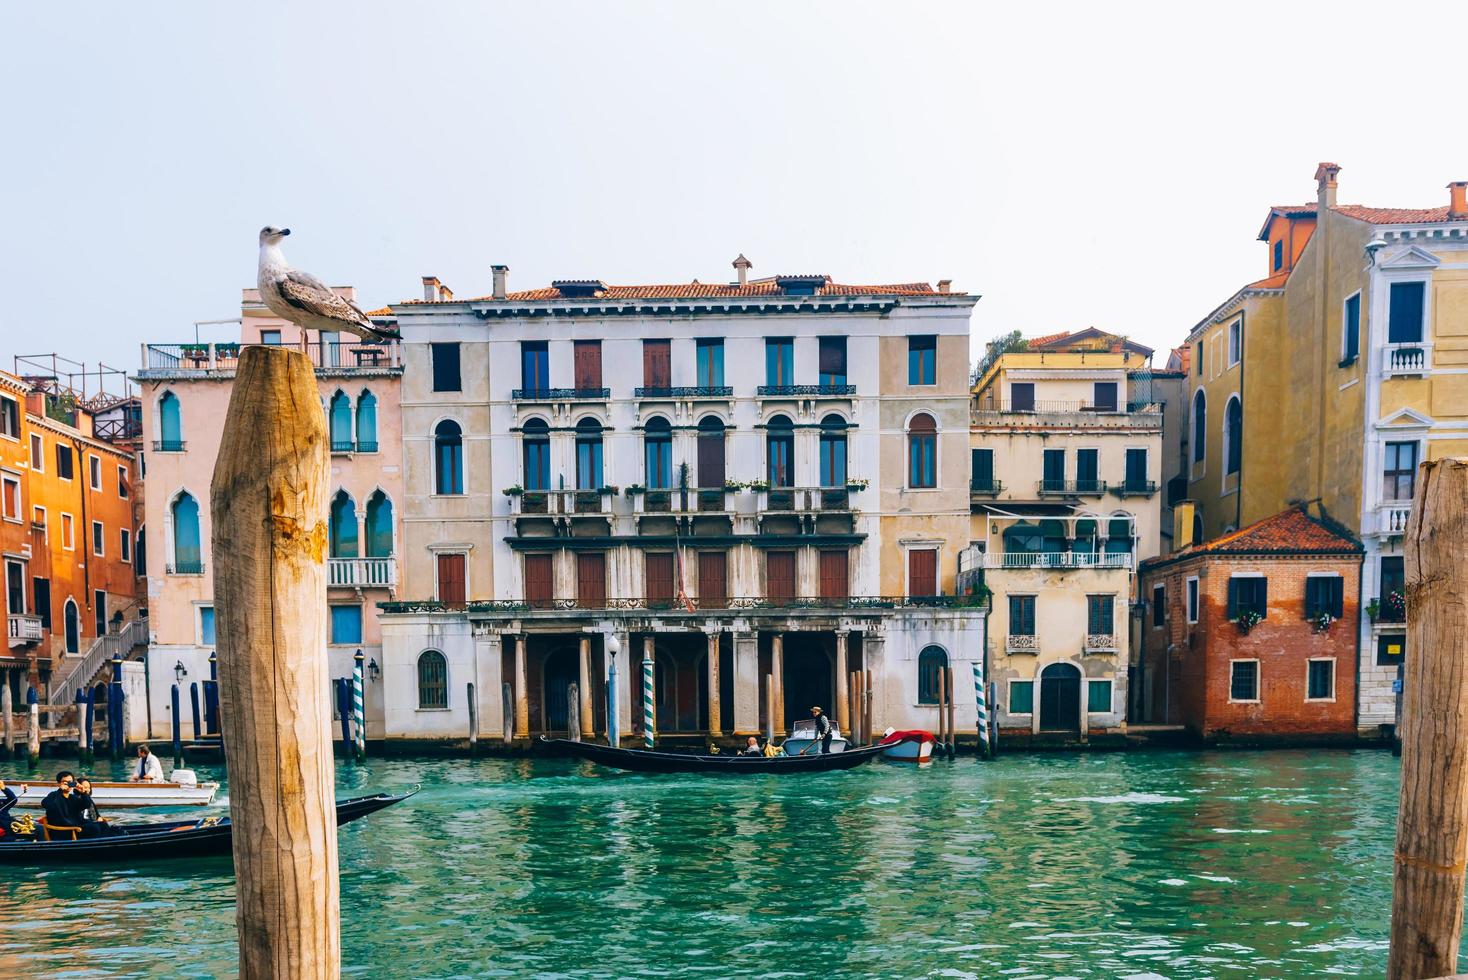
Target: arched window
379	526
433	680
1052	536
1200	426
711	452
1021	539
1119	535
170	424
367	422
780	452
140	552
448	446
343	524
536	436
339	416
1233	436
833	451
1084	542
922	452
657	444
188	559
1197	527
931	663
73	627
588	455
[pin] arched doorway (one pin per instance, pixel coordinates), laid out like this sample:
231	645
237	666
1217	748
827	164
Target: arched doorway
561	670
73	627
808	677
1060	698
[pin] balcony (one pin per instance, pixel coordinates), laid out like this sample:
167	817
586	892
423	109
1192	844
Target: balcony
1146	415
1389	608
168	445
1071	488
330	358
1057	560
682	392
1135	488
185	568
1406	360
801	500
1100	643
561	394
1021	643
985	488
361	573
692	500
806	391
23	629
1392	517
366	445
339	447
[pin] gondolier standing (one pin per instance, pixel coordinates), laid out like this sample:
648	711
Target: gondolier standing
823	729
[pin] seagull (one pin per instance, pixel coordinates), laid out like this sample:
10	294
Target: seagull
305	300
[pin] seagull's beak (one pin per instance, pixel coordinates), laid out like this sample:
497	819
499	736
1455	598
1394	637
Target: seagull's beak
285	231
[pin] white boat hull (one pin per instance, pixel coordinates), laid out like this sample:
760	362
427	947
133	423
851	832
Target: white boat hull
911	750
802	745
112	796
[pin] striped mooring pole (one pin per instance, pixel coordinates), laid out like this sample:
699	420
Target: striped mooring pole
983	717
648	734
359	714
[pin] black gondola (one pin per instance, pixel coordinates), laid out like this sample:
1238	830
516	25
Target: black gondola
171	839
643	760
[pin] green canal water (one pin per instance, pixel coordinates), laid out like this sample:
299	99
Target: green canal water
1144	864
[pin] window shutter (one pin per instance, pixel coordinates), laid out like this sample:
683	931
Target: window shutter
591	580
922	572
656	364
834	575
780	574
451	580
588	364
1261	596
539	588
1233	598
1337	597
659	575
713	587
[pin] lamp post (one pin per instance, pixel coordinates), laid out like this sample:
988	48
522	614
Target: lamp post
613	648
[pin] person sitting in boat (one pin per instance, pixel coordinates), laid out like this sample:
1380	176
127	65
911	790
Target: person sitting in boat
823	729
89	806
149	769
6	802
752	747
66	807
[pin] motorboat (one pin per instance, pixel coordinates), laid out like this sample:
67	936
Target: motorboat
181	789
804	741
908	746
647	760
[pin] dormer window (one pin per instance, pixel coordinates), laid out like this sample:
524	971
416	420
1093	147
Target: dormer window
1278	254
579	288
801	285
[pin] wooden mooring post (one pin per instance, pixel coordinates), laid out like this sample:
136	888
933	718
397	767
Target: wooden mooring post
268	504
1432	824
33	737
952	715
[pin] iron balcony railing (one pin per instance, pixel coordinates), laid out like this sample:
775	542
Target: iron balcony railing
330	356
560	394
806	391
684	391
778	500
168	445
706	603
366	445
1057	559
679	500
1135	488
985	488
185	568
1093	488
362	573
343	446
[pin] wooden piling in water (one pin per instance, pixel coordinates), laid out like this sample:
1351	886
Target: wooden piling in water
9	724
268	504
573	713
952	725
868	711
33	737
1432	824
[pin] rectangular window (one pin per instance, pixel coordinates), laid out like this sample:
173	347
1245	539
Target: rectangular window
206	626
922	571
1391	593
270	338
779	361
835	574
1159	606
452	570
1235	342
1136	470
832	360
1399	471
1192	600
1098	696
658	569
589	463
1248	593
1022	396
1278	254
125	544
346	625
1404	319
41	593
122	483
10	418
94	472
1021	697
1198	358
591	580
38	453
68	533
1053	475
10	495
780	574
657	364
1103	396
982	480
922	360
64	462
587	357
98	538
1243	680
1351	330
15	588
1087	469
539	581
713	579
1100	614
1391	649
38	518
1021	615
534	366
1324	594
1320	681
709	363
446	376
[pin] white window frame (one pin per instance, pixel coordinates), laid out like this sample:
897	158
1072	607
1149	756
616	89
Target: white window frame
94	472
19	419
124	546
25	597
934	546
38	453
45	522
1235	341
1192	599
1258	680
12	480
462	549
75	458
1009	699
99	539
1327	700
199	608
1109	682
68	540
124	483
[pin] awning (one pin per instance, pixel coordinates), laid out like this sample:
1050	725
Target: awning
1028	510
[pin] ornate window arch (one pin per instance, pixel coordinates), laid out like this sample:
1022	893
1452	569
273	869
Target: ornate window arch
433	680
922	451
780	451
448	458
535	453
342	523
931	662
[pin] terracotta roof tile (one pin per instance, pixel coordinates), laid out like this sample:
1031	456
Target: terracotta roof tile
1275	281
702	290
384	312
1289	532
1396	216
1114	343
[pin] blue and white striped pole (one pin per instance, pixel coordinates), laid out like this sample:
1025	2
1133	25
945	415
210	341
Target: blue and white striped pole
359	714
983	716
648	731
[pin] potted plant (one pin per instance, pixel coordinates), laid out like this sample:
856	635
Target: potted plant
1394	607
514	491
227	350
1248	619
635	490
855	485
758	486
1373	608
1321	621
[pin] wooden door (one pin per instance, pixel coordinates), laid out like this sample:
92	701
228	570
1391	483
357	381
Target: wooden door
711	459
780	574
657	364
451	575
922	572
539	581
659	571
713	579
1060	698
588	363
835	575
591	580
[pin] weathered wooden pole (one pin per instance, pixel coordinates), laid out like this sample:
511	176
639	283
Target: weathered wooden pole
177	729
507	709
942	717
9	725
573	713
268	505
33	740
952	714
473	717
868	693
769	685
864	733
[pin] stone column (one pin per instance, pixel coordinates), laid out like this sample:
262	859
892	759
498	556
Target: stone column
487	683
628	677
873	659
777	694
522	689
746	684
843	696
584	689
715	721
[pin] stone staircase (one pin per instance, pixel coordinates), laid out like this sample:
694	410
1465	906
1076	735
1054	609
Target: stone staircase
83	670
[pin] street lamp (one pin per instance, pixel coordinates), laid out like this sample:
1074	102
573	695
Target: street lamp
180	672
373	671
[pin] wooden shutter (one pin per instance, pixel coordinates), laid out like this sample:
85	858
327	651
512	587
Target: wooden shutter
713	579
922	572
659	573
835	575
588	363
780	574
1104	398
451	580
657	364
1022	397
539	581
711	459
833	357
591	580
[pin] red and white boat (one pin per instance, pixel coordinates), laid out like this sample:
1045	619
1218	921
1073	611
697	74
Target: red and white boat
909	746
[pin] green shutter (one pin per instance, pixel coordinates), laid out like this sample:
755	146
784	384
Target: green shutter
1098	695
1021	697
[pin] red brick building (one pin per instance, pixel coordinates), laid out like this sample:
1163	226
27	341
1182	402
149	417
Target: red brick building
1253	635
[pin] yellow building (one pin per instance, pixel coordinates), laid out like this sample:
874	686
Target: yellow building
1066	447
1330	380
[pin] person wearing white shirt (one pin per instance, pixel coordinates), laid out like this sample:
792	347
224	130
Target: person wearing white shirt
149	769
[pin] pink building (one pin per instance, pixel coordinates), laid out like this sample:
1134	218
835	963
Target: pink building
186	390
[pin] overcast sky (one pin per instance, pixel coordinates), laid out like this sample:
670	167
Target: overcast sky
1076	166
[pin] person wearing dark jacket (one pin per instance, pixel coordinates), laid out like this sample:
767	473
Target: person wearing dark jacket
6	802
823	729
66	806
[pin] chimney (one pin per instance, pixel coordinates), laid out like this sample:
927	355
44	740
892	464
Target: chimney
501	272
945	285
742	266
1325	175
430	289
1182	523
445	294
1458	200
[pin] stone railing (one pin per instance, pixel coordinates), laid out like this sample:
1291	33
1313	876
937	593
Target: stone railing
1022	643
361	573
1100	642
23	628
1406	359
